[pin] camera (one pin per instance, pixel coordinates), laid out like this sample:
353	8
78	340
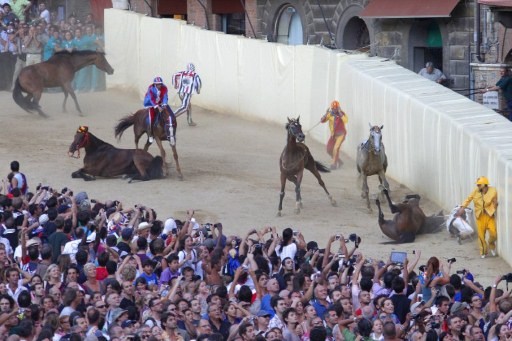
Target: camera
507	277
337	237
350	262
422	268
295	233
451	260
462	272
435	325
355	238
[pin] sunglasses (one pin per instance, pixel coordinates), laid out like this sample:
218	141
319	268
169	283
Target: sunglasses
100	306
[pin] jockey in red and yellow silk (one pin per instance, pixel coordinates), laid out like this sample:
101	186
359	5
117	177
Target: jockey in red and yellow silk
337	120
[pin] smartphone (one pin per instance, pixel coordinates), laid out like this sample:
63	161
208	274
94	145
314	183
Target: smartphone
398	257
295	233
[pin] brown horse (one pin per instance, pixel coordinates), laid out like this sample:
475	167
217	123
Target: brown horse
371	160
58	71
140	123
409	219
103	159
294	158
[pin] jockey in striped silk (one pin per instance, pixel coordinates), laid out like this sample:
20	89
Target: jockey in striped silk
186	82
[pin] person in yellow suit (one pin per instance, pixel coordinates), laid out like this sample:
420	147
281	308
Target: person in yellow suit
485	200
337	121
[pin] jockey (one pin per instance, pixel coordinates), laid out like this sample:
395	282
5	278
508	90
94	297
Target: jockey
337	120
186	82
156	98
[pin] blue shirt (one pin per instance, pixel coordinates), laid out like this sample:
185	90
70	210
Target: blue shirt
265	305
320	308
150	279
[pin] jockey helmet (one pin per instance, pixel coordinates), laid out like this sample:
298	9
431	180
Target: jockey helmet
482	181
191	67
158	80
335	104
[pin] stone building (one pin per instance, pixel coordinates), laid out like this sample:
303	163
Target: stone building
410	32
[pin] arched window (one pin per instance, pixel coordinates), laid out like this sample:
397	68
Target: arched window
356	35
289	27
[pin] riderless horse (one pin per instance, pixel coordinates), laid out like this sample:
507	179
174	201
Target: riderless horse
372	160
408	220
103	159
294	158
58	71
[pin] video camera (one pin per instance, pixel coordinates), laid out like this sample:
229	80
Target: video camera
507	277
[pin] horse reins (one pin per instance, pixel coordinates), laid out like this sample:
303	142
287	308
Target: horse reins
82	144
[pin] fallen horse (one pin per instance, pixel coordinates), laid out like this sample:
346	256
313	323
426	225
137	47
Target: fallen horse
103	159
409	220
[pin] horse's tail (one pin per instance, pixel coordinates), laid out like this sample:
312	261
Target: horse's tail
18	97
124	123
155	168
322	168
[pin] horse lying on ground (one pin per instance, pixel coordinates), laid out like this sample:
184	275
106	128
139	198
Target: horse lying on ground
294	159
103	159
409	220
58	71
140	123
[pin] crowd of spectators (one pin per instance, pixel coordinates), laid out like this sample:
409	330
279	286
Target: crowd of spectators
34	33
76	268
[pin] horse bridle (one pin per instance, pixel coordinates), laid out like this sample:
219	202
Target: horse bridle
290	127
85	139
368	145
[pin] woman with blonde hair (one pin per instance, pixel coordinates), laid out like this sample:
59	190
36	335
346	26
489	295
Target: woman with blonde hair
52	278
91	284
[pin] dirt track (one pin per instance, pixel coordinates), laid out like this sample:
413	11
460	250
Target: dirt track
231	175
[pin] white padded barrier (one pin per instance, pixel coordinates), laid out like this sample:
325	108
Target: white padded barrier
438	142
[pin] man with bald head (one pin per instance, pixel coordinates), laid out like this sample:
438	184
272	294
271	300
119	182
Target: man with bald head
431	73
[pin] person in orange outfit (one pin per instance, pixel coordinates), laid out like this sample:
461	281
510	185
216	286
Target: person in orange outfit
337	121
485	200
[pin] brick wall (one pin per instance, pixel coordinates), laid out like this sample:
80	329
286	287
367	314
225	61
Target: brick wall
252	16
140	6
196	13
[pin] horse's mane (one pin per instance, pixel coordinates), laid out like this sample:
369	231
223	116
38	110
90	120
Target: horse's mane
78	53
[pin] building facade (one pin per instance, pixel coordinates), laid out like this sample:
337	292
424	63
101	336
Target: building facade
452	34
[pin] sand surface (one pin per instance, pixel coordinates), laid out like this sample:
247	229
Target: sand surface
231	175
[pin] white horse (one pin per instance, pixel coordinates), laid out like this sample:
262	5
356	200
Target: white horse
372	160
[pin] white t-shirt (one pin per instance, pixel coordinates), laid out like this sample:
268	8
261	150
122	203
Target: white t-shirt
71	248
45	15
288	251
